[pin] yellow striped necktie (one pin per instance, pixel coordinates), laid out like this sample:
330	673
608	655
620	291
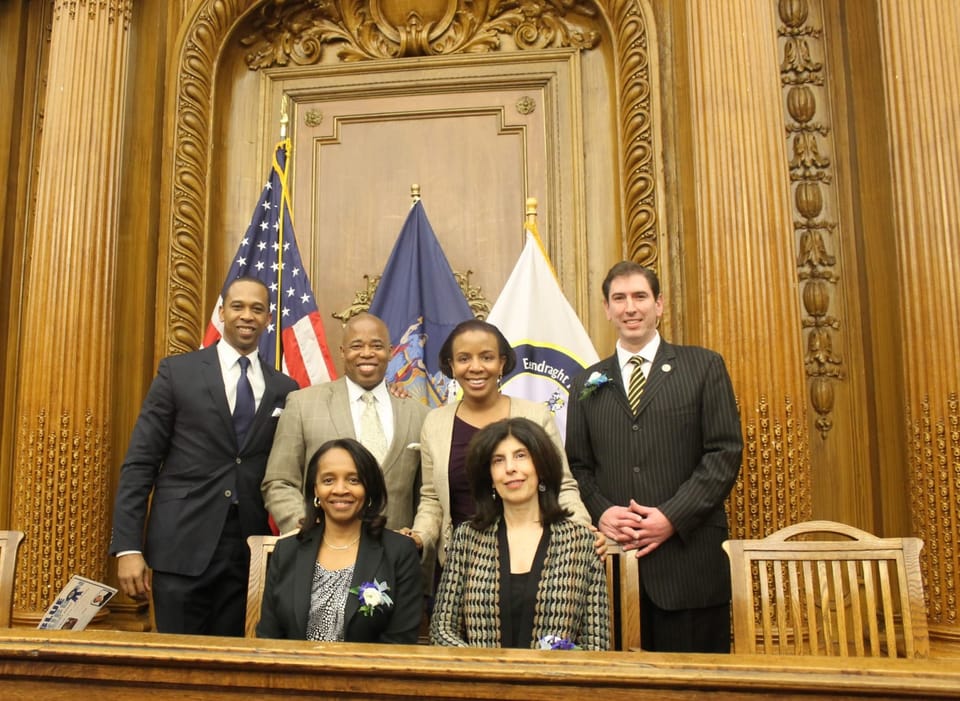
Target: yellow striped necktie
637	382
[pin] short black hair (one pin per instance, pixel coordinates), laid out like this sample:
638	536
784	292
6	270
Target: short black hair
370	475
245	278
546	460
503	345
626	268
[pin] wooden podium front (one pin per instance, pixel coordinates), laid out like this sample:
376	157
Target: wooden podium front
102	665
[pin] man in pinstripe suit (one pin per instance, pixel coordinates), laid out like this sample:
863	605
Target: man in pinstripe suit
655	458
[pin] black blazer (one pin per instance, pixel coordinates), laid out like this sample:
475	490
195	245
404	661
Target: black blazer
393	558
184	450
681	454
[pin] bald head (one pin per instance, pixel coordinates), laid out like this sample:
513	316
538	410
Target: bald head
365	349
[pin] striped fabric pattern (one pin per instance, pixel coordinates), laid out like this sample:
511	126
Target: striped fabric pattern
680	452
571	599
637	382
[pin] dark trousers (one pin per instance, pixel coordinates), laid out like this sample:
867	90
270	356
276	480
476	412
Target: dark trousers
214	602
686	630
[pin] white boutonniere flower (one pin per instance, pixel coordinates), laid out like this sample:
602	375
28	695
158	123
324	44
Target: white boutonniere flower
593	383
372	595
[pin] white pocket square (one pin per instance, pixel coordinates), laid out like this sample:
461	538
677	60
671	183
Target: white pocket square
276	412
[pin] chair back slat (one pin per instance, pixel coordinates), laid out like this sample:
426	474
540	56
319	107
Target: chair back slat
9	546
870	597
889	625
836	581
857	604
812	627
824	588
261	547
767	615
623	593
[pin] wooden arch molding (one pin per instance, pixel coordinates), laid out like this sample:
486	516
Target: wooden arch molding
185	232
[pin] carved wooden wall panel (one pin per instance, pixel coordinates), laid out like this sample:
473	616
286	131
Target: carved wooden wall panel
62	456
810	235
341	33
919	50
827	258
738	262
477	137
21	78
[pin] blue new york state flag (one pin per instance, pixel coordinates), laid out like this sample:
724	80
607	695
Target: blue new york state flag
420	301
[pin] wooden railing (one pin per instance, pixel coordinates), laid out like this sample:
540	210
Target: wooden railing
99	665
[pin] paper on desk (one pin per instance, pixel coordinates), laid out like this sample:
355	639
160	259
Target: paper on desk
76	604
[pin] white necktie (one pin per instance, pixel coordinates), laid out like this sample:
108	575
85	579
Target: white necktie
371	429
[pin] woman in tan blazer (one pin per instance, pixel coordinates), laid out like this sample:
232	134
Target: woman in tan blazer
477	355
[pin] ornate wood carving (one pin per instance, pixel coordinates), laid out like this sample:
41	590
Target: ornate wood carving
115	9
809	140
62	457
637	166
60	500
918	41
180	313
296	32
773	489
935	501
363	298
180	310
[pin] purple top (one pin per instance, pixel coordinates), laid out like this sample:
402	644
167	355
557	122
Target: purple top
462	505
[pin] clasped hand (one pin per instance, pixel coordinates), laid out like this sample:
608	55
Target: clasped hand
636	527
133	575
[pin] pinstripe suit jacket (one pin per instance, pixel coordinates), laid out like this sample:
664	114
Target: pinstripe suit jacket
680	454
315	415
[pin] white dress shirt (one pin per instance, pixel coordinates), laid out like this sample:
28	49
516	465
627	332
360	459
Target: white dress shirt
648	353
230	369
384	408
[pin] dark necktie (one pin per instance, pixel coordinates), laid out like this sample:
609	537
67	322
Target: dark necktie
637	381
246	406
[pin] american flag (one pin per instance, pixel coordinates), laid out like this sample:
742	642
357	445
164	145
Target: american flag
268	252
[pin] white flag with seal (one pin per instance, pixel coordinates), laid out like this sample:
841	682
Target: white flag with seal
551	344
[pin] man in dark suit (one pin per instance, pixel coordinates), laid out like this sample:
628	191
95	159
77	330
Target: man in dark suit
200	446
655	458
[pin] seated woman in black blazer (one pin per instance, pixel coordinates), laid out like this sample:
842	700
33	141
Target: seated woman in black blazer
344	577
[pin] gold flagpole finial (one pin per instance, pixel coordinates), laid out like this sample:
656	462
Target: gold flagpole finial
284	117
414	193
530	226
531	213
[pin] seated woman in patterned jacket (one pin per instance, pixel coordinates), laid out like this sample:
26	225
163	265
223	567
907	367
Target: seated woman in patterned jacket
521	573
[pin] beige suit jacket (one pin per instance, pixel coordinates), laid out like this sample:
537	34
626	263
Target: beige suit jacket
433	523
320	413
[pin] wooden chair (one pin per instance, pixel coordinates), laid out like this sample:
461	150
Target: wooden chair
261	546
623	591
9	546
799	592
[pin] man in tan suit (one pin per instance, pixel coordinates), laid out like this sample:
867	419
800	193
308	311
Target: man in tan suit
340	409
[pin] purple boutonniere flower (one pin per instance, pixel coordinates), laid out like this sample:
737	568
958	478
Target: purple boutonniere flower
555	642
